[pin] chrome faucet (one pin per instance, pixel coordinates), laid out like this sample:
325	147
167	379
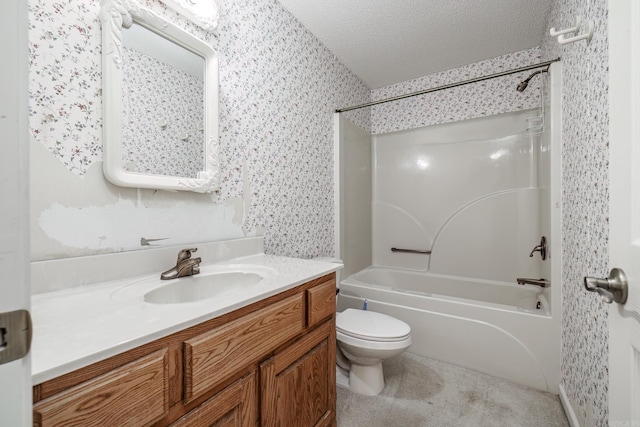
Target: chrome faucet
544	283
185	266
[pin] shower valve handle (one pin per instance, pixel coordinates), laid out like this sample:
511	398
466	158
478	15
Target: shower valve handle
613	288
542	248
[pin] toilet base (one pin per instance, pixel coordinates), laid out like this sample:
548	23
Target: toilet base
367	380
342	378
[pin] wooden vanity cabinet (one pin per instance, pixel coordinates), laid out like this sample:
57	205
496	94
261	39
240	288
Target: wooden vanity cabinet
271	363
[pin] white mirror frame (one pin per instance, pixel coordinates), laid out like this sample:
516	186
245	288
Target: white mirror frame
201	12
118	14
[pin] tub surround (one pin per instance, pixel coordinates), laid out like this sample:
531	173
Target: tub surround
491	325
439	188
81	325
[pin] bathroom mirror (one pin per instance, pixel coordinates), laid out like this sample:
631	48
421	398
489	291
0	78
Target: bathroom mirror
160	102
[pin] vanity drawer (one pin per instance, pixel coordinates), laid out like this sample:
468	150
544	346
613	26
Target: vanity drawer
216	355
236	405
321	302
133	394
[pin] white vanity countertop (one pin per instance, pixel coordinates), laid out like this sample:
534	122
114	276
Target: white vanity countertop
77	327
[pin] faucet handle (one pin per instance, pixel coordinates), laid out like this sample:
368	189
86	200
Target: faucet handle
196	265
542	248
185	254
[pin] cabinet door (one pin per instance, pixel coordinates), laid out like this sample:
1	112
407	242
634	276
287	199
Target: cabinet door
298	385
235	406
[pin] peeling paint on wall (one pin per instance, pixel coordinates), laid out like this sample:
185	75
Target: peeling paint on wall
121	226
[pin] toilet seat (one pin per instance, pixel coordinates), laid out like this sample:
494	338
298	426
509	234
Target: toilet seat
373	344
371	326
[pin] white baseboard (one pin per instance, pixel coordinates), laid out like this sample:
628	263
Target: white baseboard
568	408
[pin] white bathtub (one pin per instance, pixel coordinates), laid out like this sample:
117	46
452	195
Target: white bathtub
501	329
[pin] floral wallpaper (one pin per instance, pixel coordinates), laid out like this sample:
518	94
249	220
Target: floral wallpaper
474	100
162	117
585	205
65	80
279	87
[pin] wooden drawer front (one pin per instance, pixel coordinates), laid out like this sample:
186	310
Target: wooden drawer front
134	394
321	302
215	356
236	405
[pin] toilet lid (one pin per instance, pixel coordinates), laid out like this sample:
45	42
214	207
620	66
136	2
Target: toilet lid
369	325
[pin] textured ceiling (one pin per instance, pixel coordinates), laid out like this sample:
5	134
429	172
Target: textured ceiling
386	42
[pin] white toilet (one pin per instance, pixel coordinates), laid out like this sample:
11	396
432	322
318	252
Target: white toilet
365	338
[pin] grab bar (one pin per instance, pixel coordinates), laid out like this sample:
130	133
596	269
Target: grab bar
411	251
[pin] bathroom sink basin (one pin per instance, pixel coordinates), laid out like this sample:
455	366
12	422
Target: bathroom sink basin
212	282
199	287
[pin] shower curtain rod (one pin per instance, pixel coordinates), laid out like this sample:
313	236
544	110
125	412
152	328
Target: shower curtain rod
451	85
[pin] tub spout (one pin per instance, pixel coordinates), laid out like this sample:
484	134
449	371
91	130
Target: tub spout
544	283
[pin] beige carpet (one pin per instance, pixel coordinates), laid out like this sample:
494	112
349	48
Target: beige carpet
425	392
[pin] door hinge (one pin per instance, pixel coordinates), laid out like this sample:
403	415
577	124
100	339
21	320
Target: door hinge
15	335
